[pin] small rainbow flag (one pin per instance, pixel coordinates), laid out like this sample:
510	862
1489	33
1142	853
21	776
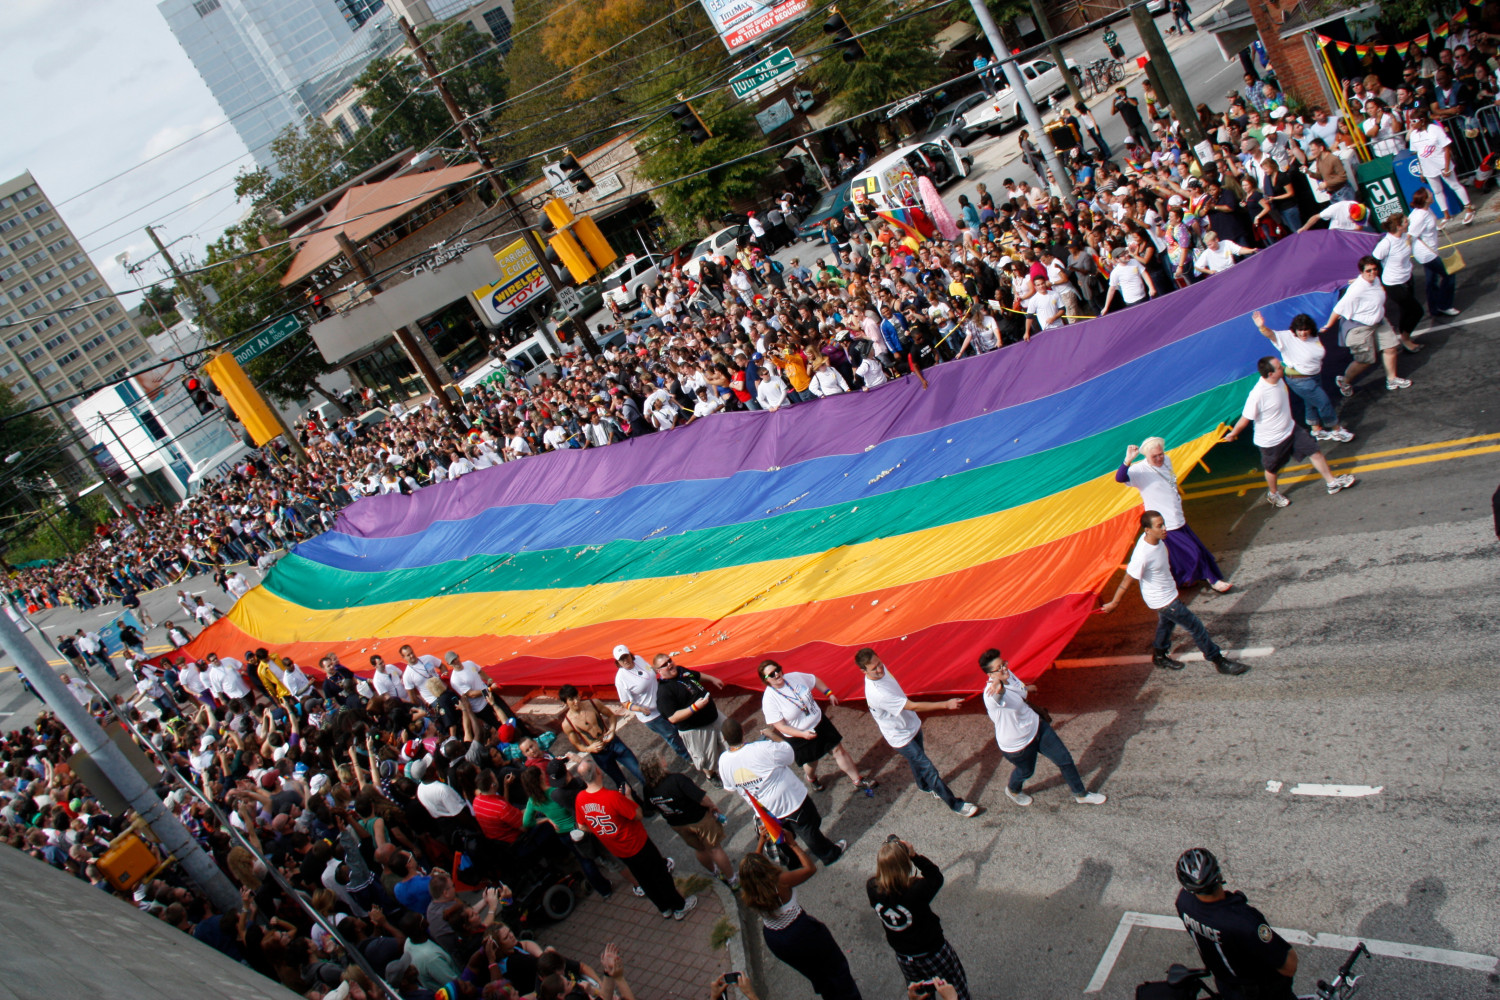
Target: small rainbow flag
771	823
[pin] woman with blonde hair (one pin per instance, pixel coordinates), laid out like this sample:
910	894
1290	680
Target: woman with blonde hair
901	892
797	938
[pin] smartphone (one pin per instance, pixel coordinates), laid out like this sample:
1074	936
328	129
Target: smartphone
731	977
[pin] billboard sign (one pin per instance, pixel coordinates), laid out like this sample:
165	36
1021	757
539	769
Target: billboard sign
521	280
741	22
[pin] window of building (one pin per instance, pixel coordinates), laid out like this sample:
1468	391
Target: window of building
10	272
31	355
93	343
205	7
32	308
77	260
360	117
60	245
10	223
18	340
106	311
55	342
25	240
84	279
345	132
22	290
57	295
70	357
24	193
49	275
499	25
118	329
96	294
77	328
40	208
34	259
49	227
8	369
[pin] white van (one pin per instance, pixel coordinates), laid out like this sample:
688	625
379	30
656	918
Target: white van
891	181
623	285
217	465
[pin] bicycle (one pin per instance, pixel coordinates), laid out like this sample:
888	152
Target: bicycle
1183	983
1102	72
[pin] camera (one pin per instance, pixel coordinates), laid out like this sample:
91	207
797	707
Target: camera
926	988
893	838
731	977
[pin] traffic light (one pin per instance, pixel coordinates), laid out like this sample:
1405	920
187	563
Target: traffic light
842	36
689	123
581	181
197	389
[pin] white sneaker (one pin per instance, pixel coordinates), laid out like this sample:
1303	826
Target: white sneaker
687	907
1345	389
1321	435
1019	798
968	810
1343	434
1341	483
1090	799
1277	500
671	865
1398	383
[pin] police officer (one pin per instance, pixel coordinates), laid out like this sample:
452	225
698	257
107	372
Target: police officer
1249	960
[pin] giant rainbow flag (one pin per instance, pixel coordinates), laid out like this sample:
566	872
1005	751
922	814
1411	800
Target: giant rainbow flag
927	524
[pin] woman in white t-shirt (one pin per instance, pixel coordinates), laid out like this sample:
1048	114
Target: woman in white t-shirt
1302	359
1157	482
1435	156
1425	240
1394	251
789	704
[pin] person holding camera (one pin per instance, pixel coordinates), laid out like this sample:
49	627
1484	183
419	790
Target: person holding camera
901	892
720	986
790	932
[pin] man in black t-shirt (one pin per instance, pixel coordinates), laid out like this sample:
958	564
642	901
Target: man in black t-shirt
691	813
683	701
1249	960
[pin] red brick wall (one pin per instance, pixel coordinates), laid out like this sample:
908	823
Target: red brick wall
1289	57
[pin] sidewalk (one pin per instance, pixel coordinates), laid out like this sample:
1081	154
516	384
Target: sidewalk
663	958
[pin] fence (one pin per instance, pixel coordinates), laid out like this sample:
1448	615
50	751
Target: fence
1474	138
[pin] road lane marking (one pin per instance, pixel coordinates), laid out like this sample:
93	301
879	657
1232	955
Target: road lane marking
1363	456
1193	657
1336	942
1251	484
1338	791
1273	786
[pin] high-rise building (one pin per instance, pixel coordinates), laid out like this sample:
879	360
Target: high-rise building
57	316
267	62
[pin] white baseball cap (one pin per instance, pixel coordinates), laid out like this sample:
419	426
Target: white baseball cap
621	650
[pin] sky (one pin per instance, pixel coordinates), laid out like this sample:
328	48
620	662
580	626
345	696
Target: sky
94	88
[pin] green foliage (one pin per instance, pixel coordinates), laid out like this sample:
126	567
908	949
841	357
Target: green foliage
40	443
899	60
74	523
695	204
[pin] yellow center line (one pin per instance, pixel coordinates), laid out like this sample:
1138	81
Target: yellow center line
1347	459
1245	487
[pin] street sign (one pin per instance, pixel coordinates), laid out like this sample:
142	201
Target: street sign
570	300
557	180
267	338
773	67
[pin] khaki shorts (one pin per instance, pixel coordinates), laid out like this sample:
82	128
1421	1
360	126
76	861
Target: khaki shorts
703	835
1364	341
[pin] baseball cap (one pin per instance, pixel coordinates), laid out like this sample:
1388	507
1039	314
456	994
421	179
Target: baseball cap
621	650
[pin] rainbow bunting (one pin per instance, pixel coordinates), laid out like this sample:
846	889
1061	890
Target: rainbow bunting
1381	51
1323	41
1462	17
1361	50
1441	31
928	524
1343	47
1421	42
1402	48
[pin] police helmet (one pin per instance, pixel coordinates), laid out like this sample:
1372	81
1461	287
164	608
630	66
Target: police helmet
1198	870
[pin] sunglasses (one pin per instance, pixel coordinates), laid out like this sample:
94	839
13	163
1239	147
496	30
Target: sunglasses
772	673
1004	665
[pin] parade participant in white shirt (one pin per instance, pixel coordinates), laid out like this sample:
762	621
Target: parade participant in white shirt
635	686
1044	310
1157	482
1363	305
1131	280
387	679
896	715
1218	255
764	770
1278	436
790	706
418	671
1022	734
1302	354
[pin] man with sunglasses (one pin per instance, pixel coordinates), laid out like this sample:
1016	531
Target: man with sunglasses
683	701
1022	733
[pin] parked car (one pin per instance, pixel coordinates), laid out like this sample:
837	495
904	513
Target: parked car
623	285
726	241
948	121
1044	81
891	181
830	205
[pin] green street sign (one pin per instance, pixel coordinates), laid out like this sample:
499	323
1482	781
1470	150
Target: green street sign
267	338
773	67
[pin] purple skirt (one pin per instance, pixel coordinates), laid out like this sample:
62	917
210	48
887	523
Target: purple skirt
1191	561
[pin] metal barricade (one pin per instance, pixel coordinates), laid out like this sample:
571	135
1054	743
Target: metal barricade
1474	138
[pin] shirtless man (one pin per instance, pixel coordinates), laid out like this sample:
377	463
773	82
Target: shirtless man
590	726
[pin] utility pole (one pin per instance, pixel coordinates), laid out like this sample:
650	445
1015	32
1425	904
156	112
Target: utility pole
1038	12
190	286
404	336
77	439
1023	96
133	788
471	140
145	479
1163	74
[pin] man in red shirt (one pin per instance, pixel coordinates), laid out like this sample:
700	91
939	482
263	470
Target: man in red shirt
616	820
498	819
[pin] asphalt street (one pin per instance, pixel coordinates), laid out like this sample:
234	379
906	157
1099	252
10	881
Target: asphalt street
1372	623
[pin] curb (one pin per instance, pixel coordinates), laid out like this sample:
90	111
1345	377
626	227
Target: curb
745	954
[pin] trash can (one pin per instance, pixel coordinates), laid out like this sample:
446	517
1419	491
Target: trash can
1381	188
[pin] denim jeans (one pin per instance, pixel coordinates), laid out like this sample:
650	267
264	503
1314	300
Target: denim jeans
1320	411
1049	745
1175	614
922	768
1345	193
661	727
1440	286
616	755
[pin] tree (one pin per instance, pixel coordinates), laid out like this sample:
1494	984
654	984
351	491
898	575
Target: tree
309	161
898	60
668	155
41	446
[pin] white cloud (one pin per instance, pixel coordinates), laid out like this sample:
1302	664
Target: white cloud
169	136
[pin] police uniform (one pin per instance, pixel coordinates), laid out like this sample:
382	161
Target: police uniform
1238	946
